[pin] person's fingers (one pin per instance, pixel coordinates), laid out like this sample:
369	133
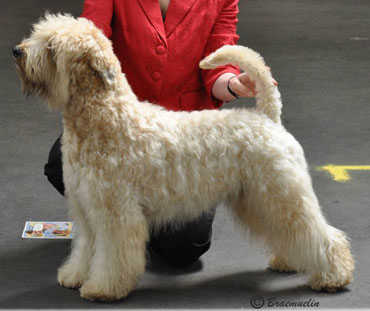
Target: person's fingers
273	80
244	88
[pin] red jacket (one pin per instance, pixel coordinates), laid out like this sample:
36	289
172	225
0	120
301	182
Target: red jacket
160	59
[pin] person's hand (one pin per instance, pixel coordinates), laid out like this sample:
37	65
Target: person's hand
244	86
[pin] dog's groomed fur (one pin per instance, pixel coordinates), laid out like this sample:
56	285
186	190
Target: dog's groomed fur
130	165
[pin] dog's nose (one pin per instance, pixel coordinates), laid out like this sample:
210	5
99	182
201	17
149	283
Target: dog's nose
17	51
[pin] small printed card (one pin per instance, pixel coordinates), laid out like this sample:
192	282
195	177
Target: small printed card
48	230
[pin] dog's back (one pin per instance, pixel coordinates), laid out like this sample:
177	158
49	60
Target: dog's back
170	146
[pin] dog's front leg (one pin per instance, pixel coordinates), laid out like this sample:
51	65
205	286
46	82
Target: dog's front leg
121	232
278	263
73	272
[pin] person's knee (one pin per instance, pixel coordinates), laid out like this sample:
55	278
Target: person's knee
186	245
53	169
181	254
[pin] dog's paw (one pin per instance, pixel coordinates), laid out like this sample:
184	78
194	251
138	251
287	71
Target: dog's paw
341	265
70	277
277	263
94	291
330	283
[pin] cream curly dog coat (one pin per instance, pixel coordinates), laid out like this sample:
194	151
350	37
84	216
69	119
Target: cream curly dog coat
130	165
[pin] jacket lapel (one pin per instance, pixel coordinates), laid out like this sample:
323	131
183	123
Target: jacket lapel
176	12
153	13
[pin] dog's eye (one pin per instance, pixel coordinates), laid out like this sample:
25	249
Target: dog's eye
50	48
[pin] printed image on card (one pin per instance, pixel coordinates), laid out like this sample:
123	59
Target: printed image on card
48	230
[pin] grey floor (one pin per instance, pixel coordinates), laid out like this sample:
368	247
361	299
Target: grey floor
319	52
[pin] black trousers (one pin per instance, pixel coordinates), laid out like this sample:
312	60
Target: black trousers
179	247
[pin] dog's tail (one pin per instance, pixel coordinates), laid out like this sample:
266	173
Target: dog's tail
268	96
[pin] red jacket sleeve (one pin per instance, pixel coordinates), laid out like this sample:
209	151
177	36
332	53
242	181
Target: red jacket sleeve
100	12
223	33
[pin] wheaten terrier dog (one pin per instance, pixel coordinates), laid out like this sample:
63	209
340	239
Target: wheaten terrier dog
129	165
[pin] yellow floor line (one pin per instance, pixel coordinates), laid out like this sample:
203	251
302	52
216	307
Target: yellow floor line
340	172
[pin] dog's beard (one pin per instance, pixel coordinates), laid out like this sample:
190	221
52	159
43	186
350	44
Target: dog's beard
30	87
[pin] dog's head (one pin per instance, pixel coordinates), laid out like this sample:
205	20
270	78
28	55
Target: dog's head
64	57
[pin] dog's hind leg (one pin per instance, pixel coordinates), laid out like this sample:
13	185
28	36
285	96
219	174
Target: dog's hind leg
294	228
121	232
248	219
74	271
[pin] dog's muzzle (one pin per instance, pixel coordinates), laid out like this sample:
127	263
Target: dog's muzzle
17	52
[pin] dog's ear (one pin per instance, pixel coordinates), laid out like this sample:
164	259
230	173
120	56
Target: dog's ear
101	63
108	77
99	52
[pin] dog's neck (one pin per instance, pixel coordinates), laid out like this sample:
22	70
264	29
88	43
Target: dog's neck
94	109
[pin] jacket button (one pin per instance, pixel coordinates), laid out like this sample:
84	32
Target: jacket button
156	76
160	50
